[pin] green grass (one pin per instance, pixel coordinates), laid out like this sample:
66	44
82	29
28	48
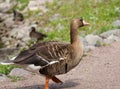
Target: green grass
5	69
99	14
16	78
24	3
20	5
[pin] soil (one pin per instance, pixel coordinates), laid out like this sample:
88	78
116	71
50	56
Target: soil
99	70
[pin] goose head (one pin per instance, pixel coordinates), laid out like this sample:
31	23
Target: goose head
78	22
33	29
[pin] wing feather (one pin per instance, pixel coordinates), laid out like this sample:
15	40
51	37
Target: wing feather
42	54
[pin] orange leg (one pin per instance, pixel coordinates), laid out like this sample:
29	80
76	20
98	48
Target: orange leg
47	83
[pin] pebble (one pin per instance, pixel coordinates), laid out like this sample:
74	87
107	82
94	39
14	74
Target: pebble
38	5
89	48
4	78
19	72
93	40
115	32
7	6
116	23
112	38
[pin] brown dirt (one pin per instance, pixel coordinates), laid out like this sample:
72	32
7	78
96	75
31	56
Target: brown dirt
99	70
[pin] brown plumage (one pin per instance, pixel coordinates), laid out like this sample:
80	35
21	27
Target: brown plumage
36	35
17	16
54	57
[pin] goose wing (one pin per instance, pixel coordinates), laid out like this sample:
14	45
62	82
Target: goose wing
43	53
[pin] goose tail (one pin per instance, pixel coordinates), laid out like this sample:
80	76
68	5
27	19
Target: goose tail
8	62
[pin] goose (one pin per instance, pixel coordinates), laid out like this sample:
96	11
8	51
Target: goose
17	16
53	58
36	35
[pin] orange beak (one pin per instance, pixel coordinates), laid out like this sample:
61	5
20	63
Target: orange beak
86	23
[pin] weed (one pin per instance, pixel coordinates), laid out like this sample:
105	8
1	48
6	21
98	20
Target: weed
16	78
5	69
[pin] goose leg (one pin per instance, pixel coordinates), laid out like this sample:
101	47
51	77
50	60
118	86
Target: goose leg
47	83
56	80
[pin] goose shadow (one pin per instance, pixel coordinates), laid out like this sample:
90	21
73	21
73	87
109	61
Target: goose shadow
67	84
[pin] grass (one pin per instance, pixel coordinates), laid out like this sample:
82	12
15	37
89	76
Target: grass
16	78
23	3
99	13
6	69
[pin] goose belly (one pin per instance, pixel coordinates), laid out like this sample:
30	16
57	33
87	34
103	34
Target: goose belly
31	68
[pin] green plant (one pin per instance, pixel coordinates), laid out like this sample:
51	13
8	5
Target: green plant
5	69
24	3
16	78
100	15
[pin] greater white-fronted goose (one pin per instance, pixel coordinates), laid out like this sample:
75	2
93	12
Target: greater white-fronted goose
36	35
54	58
17	16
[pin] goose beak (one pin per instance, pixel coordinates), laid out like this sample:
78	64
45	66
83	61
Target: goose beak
86	23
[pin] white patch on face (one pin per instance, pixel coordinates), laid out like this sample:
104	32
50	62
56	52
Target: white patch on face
85	23
32	66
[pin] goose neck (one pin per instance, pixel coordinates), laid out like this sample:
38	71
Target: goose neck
73	35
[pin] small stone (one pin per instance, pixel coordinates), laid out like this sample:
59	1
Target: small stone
4	78
9	22
3	16
19	72
93	40
116	23
38	4
112	38
115	32
84	42
89	48
7	6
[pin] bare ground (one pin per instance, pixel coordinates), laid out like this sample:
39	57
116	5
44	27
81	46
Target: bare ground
99	70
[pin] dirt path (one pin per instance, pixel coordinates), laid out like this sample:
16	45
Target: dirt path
100	71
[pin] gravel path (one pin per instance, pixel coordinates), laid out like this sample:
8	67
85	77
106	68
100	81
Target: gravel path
99	70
